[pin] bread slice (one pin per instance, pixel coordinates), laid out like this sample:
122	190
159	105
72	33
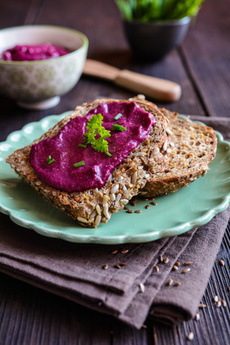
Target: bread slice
91	207
190	152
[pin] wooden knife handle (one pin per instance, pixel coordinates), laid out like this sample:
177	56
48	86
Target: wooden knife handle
160	89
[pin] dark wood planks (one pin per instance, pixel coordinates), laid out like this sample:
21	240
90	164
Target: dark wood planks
207	54
13	12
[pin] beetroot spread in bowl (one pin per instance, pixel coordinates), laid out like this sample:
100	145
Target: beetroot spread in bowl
63	164
33	52
42	73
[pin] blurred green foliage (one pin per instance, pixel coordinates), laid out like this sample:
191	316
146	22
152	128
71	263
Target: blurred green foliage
157	10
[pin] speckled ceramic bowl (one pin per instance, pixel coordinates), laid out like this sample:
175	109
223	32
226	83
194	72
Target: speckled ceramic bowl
39	84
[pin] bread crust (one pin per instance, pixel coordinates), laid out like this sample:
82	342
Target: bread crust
94	206
190	152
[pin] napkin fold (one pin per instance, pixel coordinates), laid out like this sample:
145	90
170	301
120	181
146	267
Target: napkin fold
128	281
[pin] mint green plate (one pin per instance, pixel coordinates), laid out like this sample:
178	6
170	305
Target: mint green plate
174	214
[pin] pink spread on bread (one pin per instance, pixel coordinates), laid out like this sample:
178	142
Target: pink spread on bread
65	163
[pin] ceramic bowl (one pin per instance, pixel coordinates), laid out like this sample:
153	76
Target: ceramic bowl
152	41
39	84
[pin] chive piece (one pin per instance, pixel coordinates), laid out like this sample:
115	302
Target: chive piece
81	145
50	160
118	116
119	128
108	154
79	164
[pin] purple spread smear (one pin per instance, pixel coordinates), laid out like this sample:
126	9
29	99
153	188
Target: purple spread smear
63	149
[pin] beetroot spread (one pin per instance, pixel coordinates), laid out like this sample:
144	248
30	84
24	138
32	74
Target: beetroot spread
33	52
54	159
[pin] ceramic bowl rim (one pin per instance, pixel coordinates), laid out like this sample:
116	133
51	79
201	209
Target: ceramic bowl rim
84	45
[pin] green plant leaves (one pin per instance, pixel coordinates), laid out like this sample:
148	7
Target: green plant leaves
157	10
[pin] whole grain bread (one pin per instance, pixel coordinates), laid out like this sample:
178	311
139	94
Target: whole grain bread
191	148
91	207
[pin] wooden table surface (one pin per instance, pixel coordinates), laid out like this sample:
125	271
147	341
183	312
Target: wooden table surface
201	66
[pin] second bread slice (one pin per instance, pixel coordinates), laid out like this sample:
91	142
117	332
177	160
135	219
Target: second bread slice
191	149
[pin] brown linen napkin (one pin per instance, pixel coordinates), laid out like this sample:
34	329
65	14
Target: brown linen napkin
75	271
174	303
169	304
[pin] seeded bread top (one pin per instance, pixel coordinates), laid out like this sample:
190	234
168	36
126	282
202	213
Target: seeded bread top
94	206
190	152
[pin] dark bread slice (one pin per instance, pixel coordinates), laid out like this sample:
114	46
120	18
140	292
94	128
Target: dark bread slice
91	207
191	149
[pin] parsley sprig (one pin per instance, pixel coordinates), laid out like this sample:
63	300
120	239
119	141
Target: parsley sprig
94	127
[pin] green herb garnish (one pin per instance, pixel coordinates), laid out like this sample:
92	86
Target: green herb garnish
81	145
79	164
50	160
95	128
118	116
119	128
157	10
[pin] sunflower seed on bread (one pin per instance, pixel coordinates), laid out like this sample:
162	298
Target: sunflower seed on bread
191	150
94	206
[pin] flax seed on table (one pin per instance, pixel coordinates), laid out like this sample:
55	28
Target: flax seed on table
218	304
124	251
170	282
142	287
190	336
201	305
153	203
197	316
122	264
223	302
161	259
177	284
222	262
